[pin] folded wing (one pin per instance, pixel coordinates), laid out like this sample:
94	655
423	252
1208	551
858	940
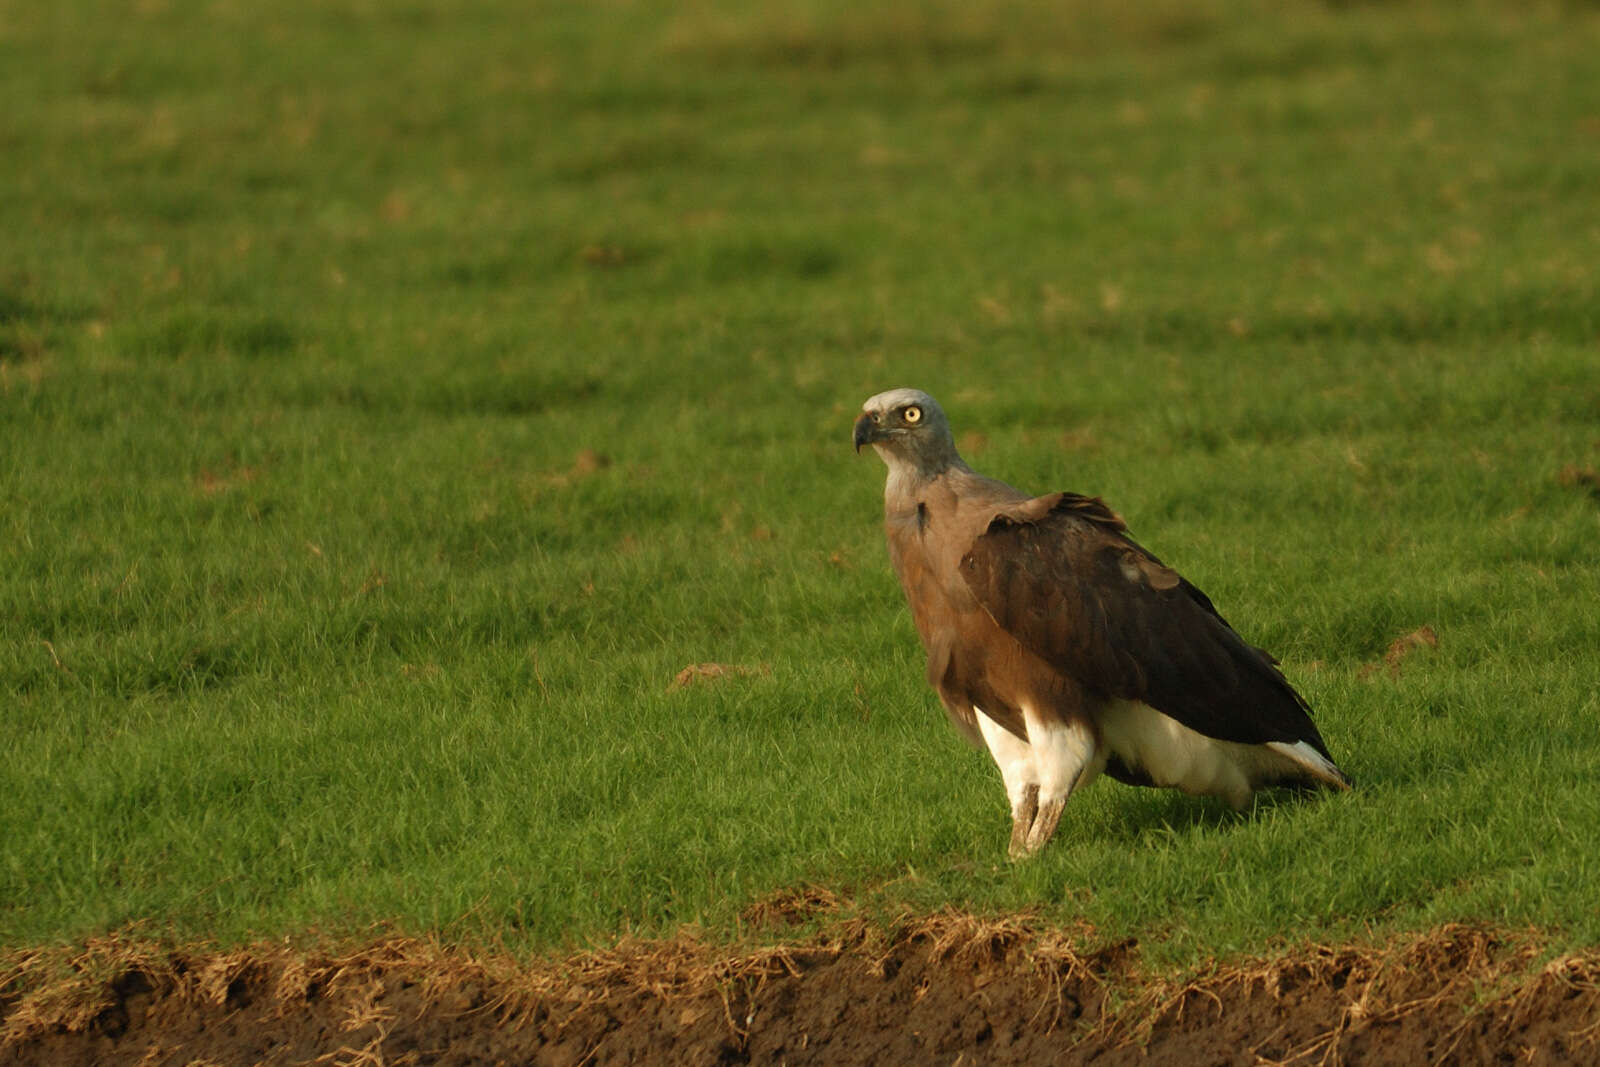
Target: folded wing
1060	574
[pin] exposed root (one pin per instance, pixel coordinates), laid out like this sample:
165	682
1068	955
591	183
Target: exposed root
997	989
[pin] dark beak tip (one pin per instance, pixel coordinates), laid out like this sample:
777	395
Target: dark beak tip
862	433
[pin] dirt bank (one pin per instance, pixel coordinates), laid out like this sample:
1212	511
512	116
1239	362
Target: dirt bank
936	990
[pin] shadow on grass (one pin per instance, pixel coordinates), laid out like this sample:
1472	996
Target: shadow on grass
1145	815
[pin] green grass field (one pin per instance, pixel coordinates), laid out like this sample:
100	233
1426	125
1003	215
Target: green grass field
395	397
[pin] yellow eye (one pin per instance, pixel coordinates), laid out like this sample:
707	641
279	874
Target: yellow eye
912	415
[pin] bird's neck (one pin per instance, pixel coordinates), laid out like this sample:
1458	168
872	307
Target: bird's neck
910	478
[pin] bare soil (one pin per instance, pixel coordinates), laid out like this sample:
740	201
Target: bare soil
944	989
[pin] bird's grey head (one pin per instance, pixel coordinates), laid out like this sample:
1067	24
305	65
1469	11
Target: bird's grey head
909	430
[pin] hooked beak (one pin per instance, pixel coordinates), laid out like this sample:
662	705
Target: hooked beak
866	431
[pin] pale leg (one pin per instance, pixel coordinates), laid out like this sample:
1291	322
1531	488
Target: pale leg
1014	757
1065	757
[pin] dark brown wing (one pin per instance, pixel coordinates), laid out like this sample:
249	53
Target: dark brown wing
1060	574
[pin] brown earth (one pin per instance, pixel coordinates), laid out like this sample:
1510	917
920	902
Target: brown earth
937	990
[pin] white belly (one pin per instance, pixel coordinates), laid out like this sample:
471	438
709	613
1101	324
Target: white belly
1176	756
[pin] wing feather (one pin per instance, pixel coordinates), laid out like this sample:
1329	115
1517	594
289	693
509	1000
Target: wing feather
1060	574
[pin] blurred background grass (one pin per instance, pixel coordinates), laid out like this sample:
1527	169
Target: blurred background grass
397	396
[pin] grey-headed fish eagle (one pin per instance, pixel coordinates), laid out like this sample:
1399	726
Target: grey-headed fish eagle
1067	649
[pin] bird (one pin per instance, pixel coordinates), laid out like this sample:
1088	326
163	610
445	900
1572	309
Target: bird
1068	650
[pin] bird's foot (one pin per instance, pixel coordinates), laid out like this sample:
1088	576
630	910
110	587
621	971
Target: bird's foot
1022	817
